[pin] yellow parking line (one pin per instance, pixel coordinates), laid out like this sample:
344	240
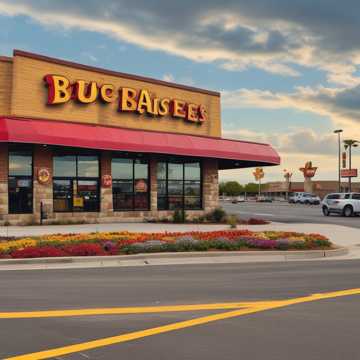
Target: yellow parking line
260	306
121	310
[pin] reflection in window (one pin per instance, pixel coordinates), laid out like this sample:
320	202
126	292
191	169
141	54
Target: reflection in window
76	183
20	182
130	184
179	185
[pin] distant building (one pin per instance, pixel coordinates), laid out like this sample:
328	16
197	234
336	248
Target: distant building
319	187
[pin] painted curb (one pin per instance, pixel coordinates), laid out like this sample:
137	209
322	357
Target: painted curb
147	258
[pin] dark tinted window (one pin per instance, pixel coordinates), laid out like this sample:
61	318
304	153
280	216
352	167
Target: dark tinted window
333	196
76	184
179	185
356	196
130	184
20	182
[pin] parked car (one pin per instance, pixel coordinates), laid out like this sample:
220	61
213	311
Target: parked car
261	198
309	199
295	198
238	199
346	204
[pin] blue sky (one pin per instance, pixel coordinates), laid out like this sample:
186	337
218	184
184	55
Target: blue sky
288	73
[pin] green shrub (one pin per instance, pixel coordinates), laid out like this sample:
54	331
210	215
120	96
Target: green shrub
218	215
179	216
300	245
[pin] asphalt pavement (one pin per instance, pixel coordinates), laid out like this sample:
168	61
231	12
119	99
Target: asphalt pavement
323	328
288	213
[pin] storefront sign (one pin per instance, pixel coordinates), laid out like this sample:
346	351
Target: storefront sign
308	170
78	201
61	91
140	185
43	176
346	173
106	181
344	159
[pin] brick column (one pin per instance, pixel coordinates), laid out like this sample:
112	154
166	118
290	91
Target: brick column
210	185
153	185
4	167
106	197
42	158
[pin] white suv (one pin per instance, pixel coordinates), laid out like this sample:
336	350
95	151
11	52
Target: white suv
346	204
304	198
309	199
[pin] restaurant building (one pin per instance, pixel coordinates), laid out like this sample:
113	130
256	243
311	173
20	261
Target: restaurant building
83	144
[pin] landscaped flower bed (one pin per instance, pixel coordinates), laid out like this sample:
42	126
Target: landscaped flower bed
117	243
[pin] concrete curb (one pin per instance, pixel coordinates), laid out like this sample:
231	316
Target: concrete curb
177	258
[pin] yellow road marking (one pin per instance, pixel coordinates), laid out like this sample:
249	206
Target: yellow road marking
256	307
121	310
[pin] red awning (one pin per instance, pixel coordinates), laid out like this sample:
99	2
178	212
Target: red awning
231	153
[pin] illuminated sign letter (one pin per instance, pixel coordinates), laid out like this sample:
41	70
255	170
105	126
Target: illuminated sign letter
107	93
203	115
178	108
192	113
86	94
144	101
164	107
127	99
58	89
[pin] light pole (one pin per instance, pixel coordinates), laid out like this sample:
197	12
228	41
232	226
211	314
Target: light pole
349	144
338	132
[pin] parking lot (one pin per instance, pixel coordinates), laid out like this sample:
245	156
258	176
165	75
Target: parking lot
287	213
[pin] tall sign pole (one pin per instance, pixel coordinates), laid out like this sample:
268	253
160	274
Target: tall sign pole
349	144
309	172
259	174
338	132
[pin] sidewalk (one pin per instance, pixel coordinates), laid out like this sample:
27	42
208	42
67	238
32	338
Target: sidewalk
345	237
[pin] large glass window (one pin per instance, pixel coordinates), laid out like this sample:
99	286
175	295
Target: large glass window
130	184
76	183
20	182
179	185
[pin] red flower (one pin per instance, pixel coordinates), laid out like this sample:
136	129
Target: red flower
34	252
84	250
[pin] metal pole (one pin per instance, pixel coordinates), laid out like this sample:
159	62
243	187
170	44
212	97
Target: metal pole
259	187
339	183
350	167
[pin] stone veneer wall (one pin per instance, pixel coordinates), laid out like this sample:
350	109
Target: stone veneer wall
106	198
3	180
44	193
210	185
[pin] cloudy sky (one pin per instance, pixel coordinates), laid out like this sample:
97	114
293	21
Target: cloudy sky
288	71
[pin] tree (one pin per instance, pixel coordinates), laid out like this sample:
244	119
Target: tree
252	188
230	188
222	187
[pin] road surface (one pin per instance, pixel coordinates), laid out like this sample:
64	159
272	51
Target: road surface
315	327
288	213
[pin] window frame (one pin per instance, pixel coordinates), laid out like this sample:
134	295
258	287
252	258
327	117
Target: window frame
78	178
183	181
133	180
30	150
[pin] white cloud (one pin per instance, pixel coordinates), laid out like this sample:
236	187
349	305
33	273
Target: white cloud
237	34
168	77
341	105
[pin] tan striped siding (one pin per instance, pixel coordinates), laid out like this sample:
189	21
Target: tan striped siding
29	97
5	86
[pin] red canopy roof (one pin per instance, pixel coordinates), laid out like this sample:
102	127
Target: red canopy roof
231	153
